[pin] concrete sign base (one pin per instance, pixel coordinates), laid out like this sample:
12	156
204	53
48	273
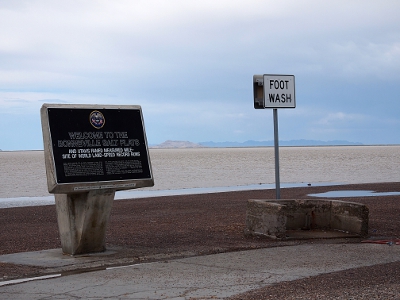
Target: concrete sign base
82	220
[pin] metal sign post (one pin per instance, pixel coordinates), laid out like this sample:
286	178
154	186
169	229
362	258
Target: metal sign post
274	91
276	148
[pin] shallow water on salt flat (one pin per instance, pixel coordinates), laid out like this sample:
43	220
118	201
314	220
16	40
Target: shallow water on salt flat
22	173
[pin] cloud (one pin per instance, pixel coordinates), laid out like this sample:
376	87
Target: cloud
339	118
190	63
118	36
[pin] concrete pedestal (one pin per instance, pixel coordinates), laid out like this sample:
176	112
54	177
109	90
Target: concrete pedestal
82	220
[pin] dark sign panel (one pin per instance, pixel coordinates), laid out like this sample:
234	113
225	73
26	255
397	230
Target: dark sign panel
92	145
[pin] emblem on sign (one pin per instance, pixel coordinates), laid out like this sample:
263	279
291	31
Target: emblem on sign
97	119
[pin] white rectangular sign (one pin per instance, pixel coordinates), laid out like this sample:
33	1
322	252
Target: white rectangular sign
279	91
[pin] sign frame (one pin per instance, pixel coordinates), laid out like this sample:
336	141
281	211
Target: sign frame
118	164
280	89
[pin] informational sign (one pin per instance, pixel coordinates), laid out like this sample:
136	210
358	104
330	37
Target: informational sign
95	147
279	91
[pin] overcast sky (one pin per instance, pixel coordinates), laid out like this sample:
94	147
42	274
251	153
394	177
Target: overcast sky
190	65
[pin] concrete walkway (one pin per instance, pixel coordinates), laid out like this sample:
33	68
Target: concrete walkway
202	277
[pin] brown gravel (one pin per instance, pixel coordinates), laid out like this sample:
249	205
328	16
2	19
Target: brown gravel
211	223
377	282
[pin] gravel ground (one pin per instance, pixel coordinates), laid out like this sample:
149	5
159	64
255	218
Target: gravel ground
377	282
212	223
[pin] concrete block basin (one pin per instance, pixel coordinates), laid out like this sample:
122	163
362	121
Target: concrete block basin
304	218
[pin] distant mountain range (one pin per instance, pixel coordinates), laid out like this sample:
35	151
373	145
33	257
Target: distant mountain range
177	144
250	143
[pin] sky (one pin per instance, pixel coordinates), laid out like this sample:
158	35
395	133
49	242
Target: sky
190	64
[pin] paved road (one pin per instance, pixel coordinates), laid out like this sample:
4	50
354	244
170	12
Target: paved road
202	277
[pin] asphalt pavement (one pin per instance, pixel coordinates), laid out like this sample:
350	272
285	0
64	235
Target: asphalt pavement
200	277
